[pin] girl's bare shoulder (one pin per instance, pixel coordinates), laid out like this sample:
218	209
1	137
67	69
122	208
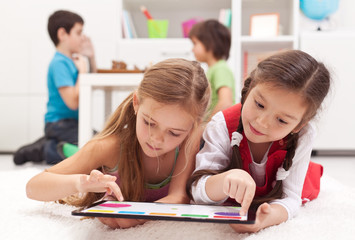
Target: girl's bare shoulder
107	150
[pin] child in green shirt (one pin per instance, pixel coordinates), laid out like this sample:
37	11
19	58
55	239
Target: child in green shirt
212	41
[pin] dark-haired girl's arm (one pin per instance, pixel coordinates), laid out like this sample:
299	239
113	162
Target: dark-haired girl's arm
266	215
236	184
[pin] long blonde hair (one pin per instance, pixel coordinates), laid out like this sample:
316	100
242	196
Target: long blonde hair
173	81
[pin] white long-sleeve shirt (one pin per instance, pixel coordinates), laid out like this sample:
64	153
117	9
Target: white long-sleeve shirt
217	152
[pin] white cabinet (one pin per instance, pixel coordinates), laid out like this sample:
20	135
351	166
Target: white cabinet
336	50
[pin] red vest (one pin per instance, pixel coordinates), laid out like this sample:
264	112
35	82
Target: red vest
275	157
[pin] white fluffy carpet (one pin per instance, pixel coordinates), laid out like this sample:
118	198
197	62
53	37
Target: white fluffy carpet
331	216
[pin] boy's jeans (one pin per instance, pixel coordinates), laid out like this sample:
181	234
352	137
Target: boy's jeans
65	130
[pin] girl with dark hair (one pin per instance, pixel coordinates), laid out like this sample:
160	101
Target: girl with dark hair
257	153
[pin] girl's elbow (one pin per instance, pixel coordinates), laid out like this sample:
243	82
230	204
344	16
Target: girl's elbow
29	190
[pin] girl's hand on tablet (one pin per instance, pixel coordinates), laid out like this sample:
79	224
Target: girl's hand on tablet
99	182
239	185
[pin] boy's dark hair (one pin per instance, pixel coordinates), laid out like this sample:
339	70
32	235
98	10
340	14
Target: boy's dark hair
62	19
214	36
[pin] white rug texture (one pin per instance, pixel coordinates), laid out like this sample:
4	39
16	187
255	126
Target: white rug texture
331	216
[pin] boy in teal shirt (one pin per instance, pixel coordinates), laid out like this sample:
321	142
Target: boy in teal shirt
61	119
212	41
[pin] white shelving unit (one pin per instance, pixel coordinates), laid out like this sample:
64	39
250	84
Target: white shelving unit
337	117
244	43
176	11
142	51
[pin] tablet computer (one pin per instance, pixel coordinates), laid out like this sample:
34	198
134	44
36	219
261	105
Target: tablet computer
167	211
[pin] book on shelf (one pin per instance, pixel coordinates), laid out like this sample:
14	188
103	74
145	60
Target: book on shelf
225	17
128	29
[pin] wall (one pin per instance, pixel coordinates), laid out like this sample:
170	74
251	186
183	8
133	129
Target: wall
25	52
334	47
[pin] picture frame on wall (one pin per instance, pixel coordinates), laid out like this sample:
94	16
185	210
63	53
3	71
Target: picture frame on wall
264	25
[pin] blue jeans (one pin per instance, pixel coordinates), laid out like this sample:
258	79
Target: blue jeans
65	130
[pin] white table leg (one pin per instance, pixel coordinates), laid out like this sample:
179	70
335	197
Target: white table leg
85	108
108	102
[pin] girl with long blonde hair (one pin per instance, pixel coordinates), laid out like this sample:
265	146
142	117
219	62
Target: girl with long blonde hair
146	150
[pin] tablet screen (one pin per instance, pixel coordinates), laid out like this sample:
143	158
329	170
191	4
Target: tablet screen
167	211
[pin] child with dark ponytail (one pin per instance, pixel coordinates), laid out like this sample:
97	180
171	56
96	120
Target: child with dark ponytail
257	153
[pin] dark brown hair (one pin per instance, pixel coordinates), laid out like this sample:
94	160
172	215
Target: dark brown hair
214	36
294	71
62	19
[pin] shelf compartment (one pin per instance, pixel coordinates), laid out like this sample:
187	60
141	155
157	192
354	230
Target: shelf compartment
176	11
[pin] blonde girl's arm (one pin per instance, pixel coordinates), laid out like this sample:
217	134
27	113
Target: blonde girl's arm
75	174
65	185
